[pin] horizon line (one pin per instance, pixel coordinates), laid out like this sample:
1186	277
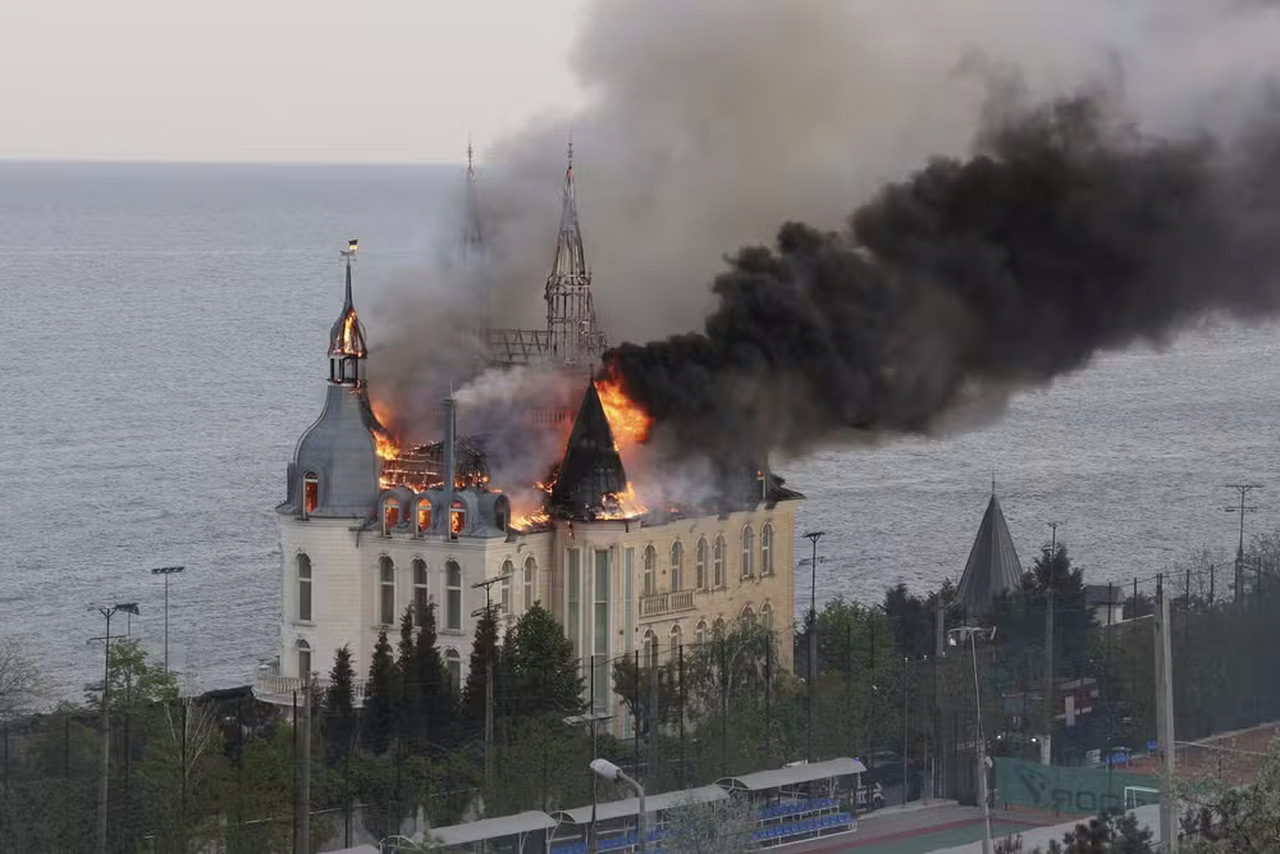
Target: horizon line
69	161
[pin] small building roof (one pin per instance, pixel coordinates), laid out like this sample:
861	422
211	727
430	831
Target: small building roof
1104	594
652	804
793	775
492	828
993	566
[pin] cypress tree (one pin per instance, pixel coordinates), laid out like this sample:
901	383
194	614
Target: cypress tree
483	651
339	707
429	683
406	697
380	697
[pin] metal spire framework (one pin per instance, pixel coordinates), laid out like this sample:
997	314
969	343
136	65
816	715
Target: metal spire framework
571	315
572	337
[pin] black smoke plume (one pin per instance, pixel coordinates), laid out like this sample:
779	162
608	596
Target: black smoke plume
1066	233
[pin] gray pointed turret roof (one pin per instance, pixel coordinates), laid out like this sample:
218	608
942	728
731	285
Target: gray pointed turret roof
993	566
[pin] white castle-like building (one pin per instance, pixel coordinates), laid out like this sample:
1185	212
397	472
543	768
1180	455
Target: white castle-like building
356	550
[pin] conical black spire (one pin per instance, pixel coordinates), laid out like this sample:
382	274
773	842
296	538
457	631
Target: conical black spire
993	566
591	476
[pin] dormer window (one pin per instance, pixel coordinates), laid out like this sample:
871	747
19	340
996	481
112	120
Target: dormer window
457	518
310	493
500	520
390	515
424	516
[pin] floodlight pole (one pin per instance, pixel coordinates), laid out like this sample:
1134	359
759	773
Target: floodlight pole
166	571
1047	757
972	632
605	768
1244	489
813	537
104	779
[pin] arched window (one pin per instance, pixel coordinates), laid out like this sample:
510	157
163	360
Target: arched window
505	587
677	567
386	591
420	595
453	597
747	615
700	564
457	518
650	567
717	563
676	639
700	634
650	648
766	549
748	550
453	662
530	575
304	660
719	627
424	515
390	514
310	493
766	616
304	588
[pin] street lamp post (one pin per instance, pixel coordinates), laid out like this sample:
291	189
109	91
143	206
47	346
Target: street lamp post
958	636
103	785
608	771
813	537
166	571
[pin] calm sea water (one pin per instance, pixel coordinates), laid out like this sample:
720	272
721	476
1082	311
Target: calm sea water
164	330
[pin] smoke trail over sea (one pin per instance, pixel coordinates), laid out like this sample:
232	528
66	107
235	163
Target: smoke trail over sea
993	192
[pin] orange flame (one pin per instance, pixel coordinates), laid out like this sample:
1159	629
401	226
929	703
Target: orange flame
350	343
630	424
625	504
387	445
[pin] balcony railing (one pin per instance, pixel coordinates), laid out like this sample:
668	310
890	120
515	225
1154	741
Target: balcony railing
666	603
271	687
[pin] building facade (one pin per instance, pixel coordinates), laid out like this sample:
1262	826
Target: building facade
357	549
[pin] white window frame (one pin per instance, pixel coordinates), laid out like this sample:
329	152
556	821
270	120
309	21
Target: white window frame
421	591
386	566
452	604
748	539
306	583
677	566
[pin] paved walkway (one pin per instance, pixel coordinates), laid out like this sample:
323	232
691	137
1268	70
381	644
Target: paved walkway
917	829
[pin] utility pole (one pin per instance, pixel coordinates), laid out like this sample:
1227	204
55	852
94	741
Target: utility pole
1244	489
166	571
813	537
1046	753
957	637
104	781
304	769
488	674
1164	719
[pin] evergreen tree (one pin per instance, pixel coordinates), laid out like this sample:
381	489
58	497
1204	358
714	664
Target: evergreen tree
483	651
380	697
429	683
544	675
339	720
406	698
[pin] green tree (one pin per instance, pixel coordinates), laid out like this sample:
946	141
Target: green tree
339	714
484	652
1228	818
135	681
407	711
430	683
1113	832
543	671
380	698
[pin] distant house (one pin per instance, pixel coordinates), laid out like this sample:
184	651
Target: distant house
1106	602
993	568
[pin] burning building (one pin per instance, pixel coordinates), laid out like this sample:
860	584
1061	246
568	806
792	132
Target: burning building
369	528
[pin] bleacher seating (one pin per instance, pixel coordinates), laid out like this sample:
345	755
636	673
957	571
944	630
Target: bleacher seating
777	834
791	808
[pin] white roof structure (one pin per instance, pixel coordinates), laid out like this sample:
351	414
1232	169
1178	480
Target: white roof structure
652	804
793	775
492	828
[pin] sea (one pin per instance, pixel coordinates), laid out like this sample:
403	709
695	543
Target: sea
163	336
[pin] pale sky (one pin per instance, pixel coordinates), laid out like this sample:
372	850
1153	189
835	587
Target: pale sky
278	80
